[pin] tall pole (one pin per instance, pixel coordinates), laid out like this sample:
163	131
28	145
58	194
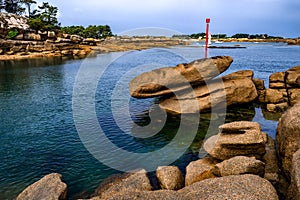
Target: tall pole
207	36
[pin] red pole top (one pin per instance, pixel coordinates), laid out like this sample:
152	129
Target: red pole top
207	20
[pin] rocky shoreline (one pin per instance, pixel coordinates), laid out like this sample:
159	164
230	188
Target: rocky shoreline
75	47
240	162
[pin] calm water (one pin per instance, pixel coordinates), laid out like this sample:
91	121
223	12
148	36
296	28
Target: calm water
38	134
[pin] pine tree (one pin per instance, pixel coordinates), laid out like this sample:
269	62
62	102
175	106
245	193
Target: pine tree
13	6
28	4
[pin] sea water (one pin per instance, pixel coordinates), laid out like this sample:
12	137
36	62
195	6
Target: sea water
38	132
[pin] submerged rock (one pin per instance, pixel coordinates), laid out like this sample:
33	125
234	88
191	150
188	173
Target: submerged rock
271	162
50	187
168	80
237	139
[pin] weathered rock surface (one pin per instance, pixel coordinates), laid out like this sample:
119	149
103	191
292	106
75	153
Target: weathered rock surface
246	187
170	177
284	90
277	80
280	107
136	181
231	187
294	189
50	187
10	21
273	96
168	80
259	84
288	137
294	95
292	77
237	139
235	88
240	165
199	170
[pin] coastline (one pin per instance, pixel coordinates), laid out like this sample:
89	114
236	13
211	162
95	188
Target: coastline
22	49
19	49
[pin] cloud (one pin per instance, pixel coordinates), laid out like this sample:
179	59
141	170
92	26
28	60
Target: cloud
261	16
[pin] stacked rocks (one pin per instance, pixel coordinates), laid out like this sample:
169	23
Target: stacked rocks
193	87
284	89
239	163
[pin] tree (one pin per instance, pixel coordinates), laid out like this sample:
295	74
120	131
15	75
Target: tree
241	35
44	19
73	30
36	24
13	6
28	3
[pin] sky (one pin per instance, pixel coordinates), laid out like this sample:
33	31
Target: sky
273	17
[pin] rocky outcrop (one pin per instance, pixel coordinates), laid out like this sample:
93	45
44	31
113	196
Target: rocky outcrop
237	139
231	187
294	189
199	170
49	187
240	165
192	88
238	176
135	181
170	178
10	21
284	90
23	49
288	137
232	90
168	80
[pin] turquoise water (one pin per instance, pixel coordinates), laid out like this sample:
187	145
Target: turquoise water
37	130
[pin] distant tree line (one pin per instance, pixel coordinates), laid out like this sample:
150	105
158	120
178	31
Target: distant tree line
91	31
221	36
256	36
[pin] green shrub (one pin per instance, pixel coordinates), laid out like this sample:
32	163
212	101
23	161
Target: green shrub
12	34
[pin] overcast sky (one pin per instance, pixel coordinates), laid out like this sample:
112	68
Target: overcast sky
274	17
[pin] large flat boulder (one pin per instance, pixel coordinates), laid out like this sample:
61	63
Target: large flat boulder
246	187
288	137
50	187
233	89
168	80
237	139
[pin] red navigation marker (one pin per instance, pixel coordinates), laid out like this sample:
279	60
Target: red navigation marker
207	36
